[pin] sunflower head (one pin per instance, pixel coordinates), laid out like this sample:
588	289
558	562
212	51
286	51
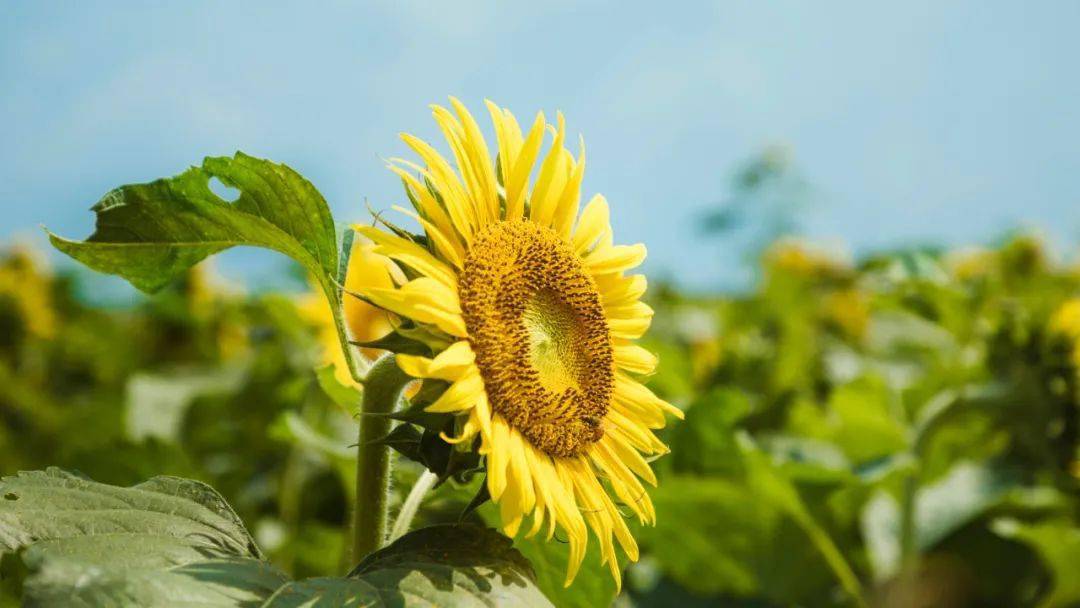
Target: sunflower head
535	318
537	327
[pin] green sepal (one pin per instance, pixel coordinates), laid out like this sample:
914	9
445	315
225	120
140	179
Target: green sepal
482	496
396	343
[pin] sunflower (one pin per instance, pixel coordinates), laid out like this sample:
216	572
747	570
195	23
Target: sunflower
365	322
541	319
1065	322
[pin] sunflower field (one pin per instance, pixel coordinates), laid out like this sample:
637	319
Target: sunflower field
479	402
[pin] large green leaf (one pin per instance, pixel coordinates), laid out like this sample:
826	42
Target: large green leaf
1058	544
164	542
750	536
593	585
156	403
150	233
705	442
444	565
54	505
715	536
858	419
175	542
969	491
224	583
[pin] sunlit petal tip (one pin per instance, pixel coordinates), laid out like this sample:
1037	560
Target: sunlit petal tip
413	365
671	409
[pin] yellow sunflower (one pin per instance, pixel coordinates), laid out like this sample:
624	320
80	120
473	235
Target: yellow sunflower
365	322
541	318
1066	322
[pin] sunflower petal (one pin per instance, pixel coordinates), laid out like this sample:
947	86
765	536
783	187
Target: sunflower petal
450	365
410	254
615	258
524	160
424	300
461	395
634	358
594	221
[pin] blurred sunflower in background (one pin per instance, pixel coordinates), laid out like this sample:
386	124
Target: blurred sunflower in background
538	320
364	322
26	281
1065	322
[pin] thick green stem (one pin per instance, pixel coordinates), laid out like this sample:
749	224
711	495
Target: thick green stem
382	390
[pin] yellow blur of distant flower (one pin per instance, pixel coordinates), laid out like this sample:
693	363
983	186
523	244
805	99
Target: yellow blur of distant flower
25	279
971	263
849	310
798	258
543	318
363	321
1066	322
204	288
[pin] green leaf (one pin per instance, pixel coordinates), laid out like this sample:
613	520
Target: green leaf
766	481
326	592
150	233
292	427
345	397
395	342
967	492
705	442
752	537
225	583
429	449
54	505
164	542
174	542
714	536
405	440
593	585
416	411
858	419
478	500
156	403
443	565
1058	544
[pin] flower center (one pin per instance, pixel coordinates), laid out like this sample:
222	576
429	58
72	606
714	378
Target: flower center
540	335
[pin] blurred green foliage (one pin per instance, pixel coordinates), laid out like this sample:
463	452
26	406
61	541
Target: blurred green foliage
901	430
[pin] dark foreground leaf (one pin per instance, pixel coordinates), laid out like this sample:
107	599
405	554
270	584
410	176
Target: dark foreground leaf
225	583
54	506
176	542
164	542
1057	542
458	565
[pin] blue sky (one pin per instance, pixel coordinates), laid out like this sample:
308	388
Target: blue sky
926	122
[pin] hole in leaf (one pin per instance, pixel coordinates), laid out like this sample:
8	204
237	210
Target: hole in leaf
11	496
225	193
